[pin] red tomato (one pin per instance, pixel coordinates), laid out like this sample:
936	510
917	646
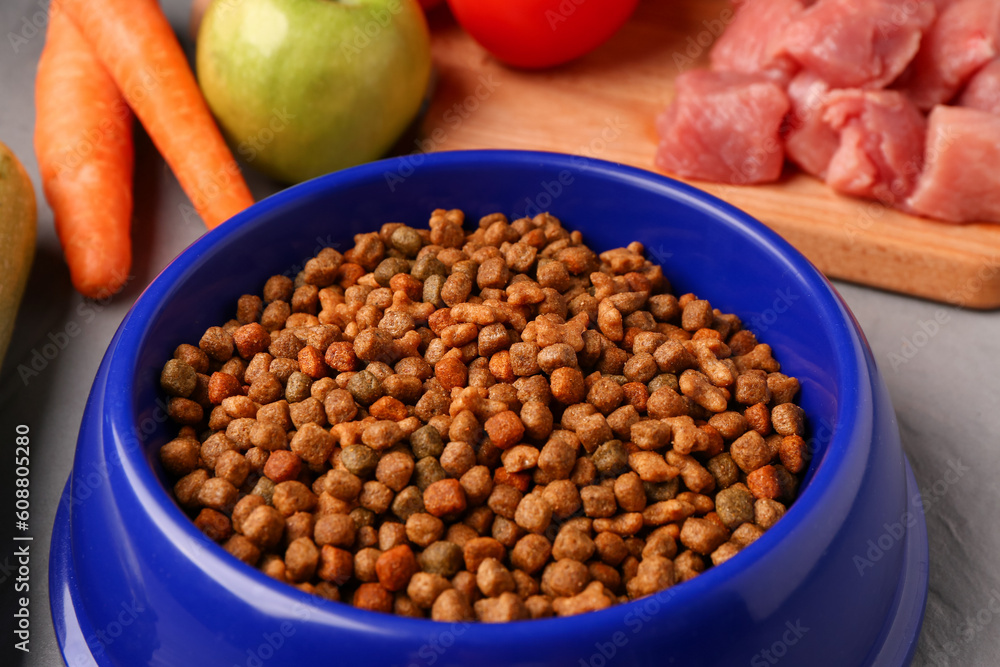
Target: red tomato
541	33
428	4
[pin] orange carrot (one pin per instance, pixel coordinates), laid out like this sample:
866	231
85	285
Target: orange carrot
83	140
139	49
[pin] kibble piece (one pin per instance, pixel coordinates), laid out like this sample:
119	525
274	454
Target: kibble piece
425	587
479	549
444	558
702	535
574	544
493	578
503	608
373	597
788	419
452	605
533	513
293	496
243	549
445	498
395	567
655	574
312	443
565	578
598	501
531	553
750	452
735	505
772	482
337	530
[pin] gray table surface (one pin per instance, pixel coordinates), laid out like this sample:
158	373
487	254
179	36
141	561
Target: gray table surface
943	379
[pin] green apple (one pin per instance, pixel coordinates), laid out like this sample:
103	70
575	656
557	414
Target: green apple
304	87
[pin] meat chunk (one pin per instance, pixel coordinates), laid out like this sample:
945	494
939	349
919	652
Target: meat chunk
753	41
859	43
963	39
983	90
960	181
810	142
723	127
881	144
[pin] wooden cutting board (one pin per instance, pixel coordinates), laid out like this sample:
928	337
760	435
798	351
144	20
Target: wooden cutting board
605	105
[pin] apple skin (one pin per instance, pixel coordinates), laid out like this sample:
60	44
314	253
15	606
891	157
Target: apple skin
301	88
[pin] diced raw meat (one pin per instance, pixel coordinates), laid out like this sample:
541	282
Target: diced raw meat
809	142
881	144
753	41
983	90
859	43
965	37
723	127
960	181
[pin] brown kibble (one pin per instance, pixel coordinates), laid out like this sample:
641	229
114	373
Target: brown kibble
504	608
788	419
533	513
651	467
214	524
702	535
751	452
452	605
565	578
243	549
479	549
337	530
264	526
312	444
767	512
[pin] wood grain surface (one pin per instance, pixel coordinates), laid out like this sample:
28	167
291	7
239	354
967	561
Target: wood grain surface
605	105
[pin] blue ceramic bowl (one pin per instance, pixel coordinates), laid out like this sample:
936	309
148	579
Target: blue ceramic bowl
840	580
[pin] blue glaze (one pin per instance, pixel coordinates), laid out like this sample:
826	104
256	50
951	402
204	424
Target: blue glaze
123	551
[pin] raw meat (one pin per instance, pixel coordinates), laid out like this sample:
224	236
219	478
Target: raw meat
960	182
965	37
983	90
881	144
723	127
859	43
809	142
753	41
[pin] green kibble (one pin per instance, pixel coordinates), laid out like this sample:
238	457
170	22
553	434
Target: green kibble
180	379
427	471
444	558
432	290
611	458
265	489
657	493
362	516
407	241
428	266
389	267
297	387
365	388
408	502
359	460
664	380
426	441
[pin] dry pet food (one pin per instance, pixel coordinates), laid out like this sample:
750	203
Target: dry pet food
495	426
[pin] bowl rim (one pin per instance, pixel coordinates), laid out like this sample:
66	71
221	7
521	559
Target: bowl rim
847	344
